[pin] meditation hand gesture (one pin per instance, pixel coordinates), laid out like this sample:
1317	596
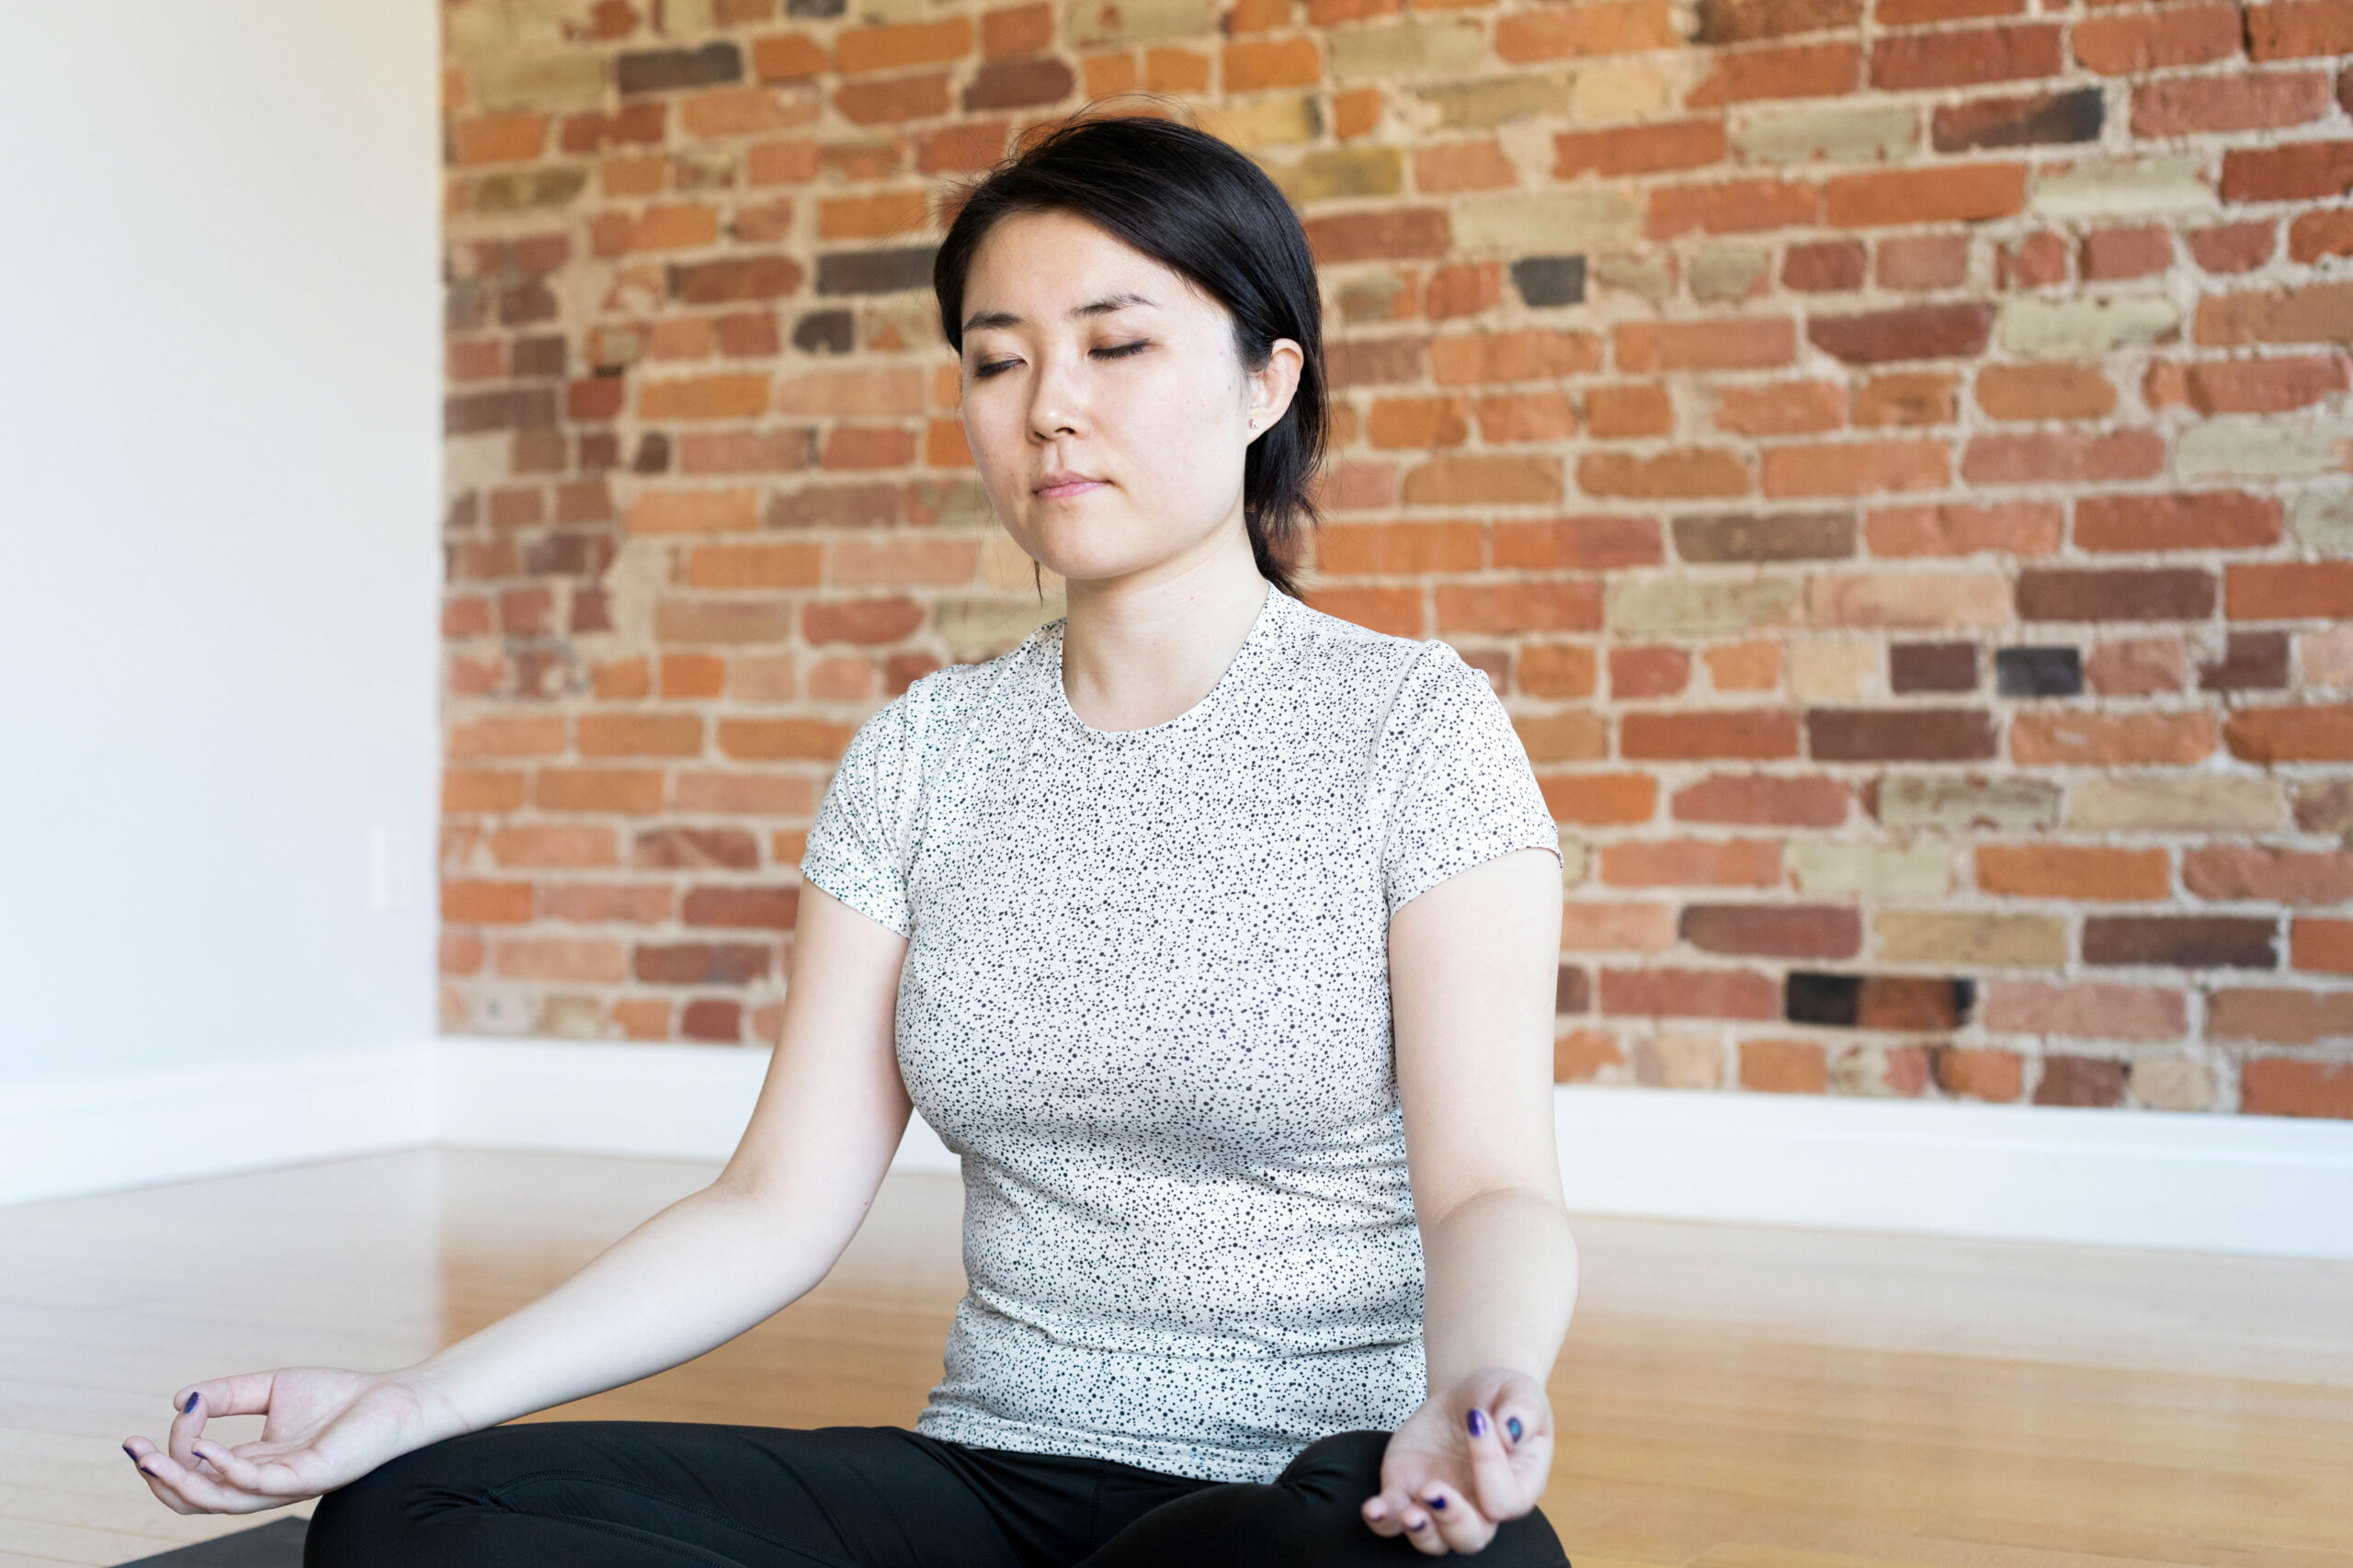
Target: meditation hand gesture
1468	1459
323	1427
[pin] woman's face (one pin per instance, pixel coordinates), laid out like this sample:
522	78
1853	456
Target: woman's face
1104	401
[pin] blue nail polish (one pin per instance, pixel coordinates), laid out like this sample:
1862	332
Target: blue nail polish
1512	1426
190	1405
126	1449
1437	1502
1417	1524
1478	1419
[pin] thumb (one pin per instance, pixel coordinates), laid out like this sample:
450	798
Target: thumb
1497	1486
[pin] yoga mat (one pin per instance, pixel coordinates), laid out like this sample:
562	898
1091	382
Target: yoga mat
277	1544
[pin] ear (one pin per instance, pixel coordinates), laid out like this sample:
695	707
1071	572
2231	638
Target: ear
1272	387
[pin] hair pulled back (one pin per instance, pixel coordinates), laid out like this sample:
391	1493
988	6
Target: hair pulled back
1199	208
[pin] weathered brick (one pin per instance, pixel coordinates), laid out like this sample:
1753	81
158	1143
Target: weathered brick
2296	29
2087	1012
1600	799
2232	247
1919	263
1759	734
1934	801
2057	391
2128	43
2103	188
1727	207
1649	669
2175	804
2081	1081
1869	133
1782	408
2181	941
1775	535
2014	528
1908	598
1960	193
1857	468
1781	931
1763	799
2247	386
1823	267
2111	740
2083	328
1820	868
1689	994
2324	946
2302	591
1638	149
1902	735
2251	660
2155	594
1605	27
1689	472
1748	21
1629	409
1698	607
1961	58
2043	457
1914	667
2315	236
2300	171
1394	235
2037	672
1915	1003
1757	343
1906	398
1692	862
1575	544
2027	941
2074	871
2033	119
2280	1015
2189	105
1529	605
2283	1086
1974	1072
2217	519
1912	332
1788	71
2250	873
661	70
1782	1067
2311	733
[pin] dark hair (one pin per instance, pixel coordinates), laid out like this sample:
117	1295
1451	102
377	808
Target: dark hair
1199	208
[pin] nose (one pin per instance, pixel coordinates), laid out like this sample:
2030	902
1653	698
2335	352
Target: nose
1058	398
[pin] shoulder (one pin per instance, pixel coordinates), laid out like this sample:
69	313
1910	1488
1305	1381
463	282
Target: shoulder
1392	680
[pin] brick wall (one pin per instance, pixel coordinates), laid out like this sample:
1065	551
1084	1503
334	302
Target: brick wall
1891	456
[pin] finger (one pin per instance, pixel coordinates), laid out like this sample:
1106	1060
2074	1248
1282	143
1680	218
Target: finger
1380	1512
201	1491
1421	1532
1459	1525
247	1393
138	1448
273	1478
1497	1488
189	1415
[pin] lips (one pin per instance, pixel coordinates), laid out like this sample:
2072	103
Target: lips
1056	486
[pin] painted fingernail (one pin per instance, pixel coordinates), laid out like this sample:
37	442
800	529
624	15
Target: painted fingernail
144	1471
127	1449
1437	1502
1478	1419
1417	1524
1512	1426
190	1405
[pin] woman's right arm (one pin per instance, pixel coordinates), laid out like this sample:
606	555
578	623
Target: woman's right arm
829	1117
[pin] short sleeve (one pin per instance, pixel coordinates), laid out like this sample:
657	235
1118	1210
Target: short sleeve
863	841
1461	790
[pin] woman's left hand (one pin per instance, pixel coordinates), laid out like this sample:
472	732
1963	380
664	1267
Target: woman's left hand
1468	1459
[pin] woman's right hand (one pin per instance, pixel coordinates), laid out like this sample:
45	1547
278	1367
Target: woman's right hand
322	1428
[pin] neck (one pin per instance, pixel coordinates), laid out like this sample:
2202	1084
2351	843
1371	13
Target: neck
1139	653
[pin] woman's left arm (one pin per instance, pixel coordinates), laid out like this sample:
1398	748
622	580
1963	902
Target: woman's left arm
1473	966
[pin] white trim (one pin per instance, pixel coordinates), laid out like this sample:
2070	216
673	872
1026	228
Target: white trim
2237	1183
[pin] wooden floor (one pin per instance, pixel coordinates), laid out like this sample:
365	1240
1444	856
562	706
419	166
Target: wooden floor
1734	1397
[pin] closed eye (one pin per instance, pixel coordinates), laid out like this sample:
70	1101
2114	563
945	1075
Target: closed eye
1117	351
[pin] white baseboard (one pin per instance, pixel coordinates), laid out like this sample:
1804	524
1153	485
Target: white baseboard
136	1129
2241	1184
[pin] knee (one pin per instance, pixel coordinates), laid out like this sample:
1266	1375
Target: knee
370	1521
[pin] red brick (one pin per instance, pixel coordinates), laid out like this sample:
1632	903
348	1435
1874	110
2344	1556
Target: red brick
2301	171
1462	166
2087	1012
2322	945
1909	333
1648	671
1824	267
1773	931
2317	234
1783	1067
2316	733
1258	63
2285	1085
1484	478
2248	873
2212	519
1918	13
2040	457
1599	800
1639	149
2034	262
1782	408
1015	29
2057	870
2019	120
1857	468
2232	247
1958	193
1554	669
1688	473
2237	101
2011	527
1972	1072
1763	800
2075	739
1400	234
1529	355
1790	71
1898	734
1689	994
1629	409
1959	58
1918	263
2318	313
2247	386
1759	734
2054	593
1597	27
1522	418
2109	253
2131	42
1692	862
1418	422
895	46
1750	344
1530	605
1577	545
1732	207
1747	21
2297	29
2136	667
1906	398
2314	590
2049	391
1581	1055
2081	1081
2281	1017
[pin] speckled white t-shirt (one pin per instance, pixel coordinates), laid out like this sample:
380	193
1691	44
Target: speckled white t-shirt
1145	1000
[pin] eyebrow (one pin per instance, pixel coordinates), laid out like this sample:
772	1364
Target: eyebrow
1101	307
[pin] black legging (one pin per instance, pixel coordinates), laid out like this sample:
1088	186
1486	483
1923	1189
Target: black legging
660	1494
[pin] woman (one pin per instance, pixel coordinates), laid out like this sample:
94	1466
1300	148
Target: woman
1217	935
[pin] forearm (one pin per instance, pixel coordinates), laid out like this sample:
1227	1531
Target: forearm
689	1278
1501	1280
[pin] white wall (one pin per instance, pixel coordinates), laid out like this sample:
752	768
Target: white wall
220	440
